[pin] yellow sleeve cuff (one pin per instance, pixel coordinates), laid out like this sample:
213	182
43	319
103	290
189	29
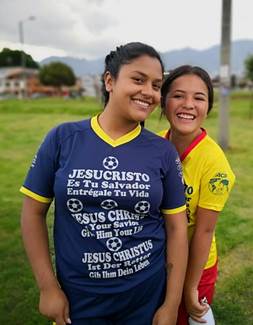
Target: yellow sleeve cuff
35	196
173	211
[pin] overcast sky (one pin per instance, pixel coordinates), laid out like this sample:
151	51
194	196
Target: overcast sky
91	28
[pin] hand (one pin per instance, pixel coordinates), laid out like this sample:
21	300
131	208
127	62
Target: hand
195	309
54	305
164	316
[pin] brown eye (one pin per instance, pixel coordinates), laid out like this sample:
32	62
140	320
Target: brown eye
200	98
138	80
157	87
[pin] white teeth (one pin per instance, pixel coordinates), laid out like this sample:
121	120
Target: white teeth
139	102
186	116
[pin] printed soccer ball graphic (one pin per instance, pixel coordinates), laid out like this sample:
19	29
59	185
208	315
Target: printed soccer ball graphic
74	205
110	162
109	204
114	244
142	207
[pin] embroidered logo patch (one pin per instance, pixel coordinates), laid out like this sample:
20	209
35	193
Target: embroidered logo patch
219	184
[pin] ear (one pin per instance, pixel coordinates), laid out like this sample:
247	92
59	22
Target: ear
108	80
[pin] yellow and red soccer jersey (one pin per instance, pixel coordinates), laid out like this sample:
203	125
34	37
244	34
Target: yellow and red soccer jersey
208	181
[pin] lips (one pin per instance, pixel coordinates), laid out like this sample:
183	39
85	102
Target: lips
186	116
143	104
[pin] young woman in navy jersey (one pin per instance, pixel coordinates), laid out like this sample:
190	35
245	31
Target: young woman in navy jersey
120	232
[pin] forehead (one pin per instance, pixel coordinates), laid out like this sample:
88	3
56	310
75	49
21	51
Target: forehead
189	82
145	65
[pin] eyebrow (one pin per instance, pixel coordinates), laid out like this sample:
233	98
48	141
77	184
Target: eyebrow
197	93
144	75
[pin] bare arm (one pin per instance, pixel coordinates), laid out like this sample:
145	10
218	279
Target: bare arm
53	302
198	255
177	252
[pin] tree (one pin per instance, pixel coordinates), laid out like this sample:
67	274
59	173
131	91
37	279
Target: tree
13	58
249	67
57	74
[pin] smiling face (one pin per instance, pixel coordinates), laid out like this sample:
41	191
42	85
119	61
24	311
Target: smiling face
135	93
187	105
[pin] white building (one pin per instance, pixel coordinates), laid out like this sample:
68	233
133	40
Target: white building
13	80
92	85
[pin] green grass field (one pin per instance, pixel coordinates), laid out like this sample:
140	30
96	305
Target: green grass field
23	124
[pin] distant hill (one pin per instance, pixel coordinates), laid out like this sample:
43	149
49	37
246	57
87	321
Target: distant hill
80	66
208	59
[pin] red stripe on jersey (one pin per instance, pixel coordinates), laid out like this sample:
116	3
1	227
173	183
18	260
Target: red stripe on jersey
192	145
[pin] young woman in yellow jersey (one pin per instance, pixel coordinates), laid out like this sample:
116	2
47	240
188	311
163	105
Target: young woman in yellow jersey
187	98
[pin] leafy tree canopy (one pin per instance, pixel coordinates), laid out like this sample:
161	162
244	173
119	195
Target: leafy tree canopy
249	67
13	58
57	74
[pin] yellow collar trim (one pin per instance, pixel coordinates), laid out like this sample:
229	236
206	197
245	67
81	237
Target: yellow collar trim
114	143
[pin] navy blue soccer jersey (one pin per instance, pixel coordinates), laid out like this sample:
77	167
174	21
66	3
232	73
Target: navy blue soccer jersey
110	197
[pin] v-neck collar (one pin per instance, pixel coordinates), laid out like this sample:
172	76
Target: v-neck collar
114	143
194	143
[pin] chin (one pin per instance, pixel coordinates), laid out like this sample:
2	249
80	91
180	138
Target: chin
185	127
184	130
142	116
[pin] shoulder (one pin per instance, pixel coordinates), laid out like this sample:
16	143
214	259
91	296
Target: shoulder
212	150
63	131
157	140
161	148
215	158
68	128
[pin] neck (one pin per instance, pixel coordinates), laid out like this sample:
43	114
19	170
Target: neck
182	141
115	126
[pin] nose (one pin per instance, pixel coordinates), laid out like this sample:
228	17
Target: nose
188	103
147	89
